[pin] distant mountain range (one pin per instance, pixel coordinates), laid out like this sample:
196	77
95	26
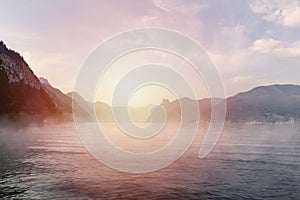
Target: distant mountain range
265	103
274	103
22	94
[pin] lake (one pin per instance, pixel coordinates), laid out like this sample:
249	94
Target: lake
248	162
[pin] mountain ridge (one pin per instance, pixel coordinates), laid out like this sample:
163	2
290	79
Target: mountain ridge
22	92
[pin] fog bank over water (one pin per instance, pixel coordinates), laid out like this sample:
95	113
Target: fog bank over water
14	140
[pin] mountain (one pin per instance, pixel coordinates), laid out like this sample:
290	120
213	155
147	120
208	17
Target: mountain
21	91
274	103
184	109
62	102
265	103
83	109
24	95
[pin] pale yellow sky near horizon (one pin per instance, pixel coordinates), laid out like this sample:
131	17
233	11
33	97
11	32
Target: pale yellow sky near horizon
153	93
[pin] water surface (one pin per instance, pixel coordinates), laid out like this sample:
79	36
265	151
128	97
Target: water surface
249	162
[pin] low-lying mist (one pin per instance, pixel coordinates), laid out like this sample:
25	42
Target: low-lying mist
16	135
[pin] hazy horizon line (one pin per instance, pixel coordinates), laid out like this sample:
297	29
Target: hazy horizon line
172	100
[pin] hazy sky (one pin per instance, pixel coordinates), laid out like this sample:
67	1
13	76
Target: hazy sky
251	42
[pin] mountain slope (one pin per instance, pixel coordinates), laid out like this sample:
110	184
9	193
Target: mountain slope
62	102
21	91
265	103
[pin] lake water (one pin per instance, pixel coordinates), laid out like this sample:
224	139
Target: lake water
248	162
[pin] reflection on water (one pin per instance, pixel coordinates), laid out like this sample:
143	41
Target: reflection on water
249	161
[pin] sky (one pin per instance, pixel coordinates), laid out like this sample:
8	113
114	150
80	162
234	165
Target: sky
251	42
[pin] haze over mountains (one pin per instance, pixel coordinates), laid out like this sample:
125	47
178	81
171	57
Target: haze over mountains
25	95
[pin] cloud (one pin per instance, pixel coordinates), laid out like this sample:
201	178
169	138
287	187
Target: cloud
177	15
161	5
276	47
284	12
55	39
181	6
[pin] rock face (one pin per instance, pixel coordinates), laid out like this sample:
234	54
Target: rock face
21	91
16	69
